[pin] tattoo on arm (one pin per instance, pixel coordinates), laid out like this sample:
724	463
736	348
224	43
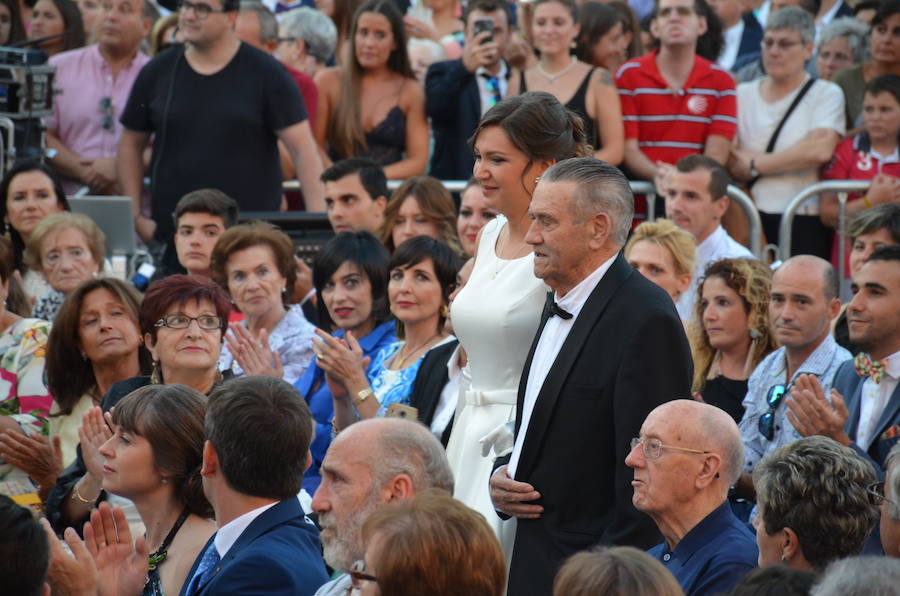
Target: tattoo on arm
606	78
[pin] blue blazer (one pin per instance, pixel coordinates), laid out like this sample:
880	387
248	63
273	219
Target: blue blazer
278	553
749	49
887	431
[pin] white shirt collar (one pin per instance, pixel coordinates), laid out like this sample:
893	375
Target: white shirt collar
575	299
708	247
230	532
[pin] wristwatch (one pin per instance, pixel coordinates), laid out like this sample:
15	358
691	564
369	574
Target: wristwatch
754	173
362	396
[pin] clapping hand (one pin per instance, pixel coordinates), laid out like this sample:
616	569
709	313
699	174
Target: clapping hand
92	433
811	413
253	354
37	456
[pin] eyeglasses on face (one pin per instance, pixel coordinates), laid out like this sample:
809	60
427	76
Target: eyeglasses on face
176	321
774	398
682	11
653	448
358	575
201	9
782	44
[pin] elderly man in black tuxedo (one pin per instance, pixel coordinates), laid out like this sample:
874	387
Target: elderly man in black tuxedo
610	348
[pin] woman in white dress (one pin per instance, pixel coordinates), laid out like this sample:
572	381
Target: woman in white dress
497	314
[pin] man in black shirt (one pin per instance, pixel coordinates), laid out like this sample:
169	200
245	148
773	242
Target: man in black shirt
215	109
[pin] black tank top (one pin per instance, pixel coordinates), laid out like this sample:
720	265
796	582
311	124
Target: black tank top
578	105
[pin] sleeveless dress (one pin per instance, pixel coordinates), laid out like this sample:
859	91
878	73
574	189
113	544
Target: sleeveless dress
578	104
495	317
386	141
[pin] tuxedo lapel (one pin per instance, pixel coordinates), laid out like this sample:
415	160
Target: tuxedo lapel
565	359
523	381
855	405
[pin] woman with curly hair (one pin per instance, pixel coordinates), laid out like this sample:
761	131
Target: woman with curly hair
421	206
733	332
814	506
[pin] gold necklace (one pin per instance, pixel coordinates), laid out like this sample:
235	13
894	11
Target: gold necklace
399	363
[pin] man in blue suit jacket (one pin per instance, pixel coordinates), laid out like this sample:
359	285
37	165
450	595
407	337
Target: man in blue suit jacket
458	92
869	385
258	433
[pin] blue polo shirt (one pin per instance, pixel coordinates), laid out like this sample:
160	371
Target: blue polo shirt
713	556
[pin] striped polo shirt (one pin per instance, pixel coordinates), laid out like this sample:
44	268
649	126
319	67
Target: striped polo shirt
670	124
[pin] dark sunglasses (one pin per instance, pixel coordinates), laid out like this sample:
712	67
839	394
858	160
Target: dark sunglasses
773	400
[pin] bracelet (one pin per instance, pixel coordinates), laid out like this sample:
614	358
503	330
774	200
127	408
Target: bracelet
867	202
76	496
362	396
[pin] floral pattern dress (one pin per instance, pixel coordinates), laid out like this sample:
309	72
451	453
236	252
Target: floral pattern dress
23	394
392	386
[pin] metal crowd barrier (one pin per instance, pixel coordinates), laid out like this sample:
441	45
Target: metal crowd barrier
841	187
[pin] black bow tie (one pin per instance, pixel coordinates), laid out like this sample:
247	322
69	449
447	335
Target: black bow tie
551	308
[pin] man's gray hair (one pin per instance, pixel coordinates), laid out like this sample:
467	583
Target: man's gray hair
892	470
314	28
600	188
268	25
793	18
406	447
853	30
860	576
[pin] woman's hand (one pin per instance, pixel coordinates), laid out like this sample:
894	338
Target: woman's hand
92	433
420	29
341	360
254	354
121	564
36	456
884	189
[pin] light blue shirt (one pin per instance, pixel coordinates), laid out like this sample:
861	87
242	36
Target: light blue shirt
823	363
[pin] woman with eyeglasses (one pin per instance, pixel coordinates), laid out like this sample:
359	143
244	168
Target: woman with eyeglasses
776	170
183	322
814	505
372	105
731	334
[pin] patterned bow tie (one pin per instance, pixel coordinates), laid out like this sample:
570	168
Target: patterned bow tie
865	367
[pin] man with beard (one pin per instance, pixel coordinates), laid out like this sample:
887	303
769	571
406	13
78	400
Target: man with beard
803	303
370	465
868	384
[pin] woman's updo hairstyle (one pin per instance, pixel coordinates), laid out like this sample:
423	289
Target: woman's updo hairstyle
538	126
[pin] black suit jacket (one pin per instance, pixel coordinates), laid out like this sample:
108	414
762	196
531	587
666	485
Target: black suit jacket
626	354
430	381
453	104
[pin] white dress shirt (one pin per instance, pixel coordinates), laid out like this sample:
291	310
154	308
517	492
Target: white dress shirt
554	334
732	43
230	532
486	95
718	245
873	400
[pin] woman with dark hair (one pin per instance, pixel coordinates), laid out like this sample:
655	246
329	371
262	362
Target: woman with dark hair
153	459
589	91
421	206
255	264
29	192
183	321
11	29
57	18
496	315
372	105
602	39
351	277
422	276
885	59
98	321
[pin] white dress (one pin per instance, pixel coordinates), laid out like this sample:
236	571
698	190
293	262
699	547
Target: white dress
495	317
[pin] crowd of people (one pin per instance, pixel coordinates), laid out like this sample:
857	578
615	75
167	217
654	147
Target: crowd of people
532	386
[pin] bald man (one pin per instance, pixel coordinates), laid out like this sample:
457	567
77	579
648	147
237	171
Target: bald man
688	455
370	465
804	301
